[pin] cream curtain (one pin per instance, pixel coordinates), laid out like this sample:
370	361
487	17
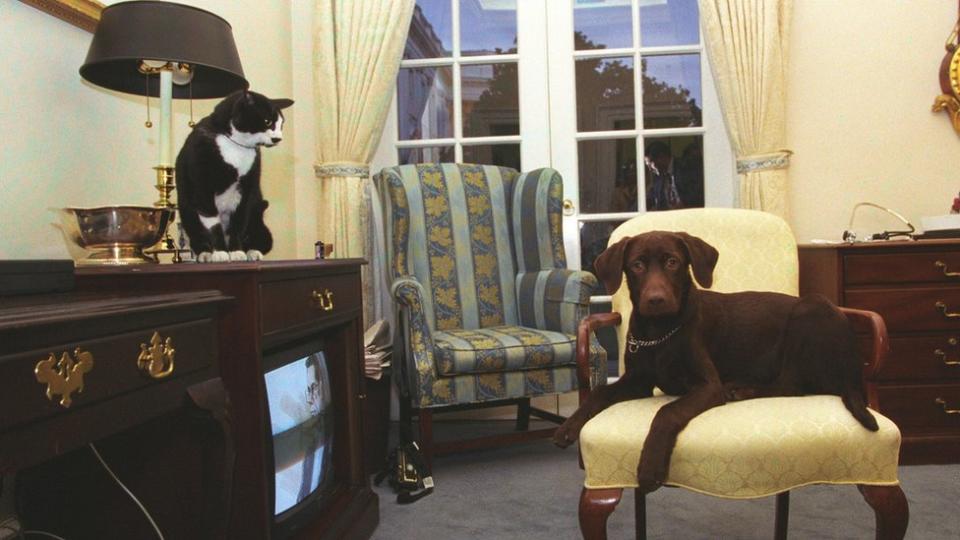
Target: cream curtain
747	43
358	45
357	52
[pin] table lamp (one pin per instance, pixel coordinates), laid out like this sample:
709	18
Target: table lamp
165	50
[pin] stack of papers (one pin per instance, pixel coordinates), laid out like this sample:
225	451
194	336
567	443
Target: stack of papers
377	349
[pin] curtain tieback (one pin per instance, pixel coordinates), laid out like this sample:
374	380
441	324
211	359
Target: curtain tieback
763	162
341	168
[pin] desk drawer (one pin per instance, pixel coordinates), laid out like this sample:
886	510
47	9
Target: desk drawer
295	302
933	357
920	266
110	365
915	409
911	309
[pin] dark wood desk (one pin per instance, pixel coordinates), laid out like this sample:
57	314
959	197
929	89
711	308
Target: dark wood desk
915	287
83	368
278	304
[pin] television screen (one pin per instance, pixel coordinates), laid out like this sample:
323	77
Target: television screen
301	420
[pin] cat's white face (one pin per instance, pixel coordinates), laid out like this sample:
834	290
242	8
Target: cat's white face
269	137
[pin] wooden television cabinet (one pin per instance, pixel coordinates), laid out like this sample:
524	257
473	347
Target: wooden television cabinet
277	306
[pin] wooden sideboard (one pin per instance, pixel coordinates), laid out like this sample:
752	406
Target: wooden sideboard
92	368
915	287
278	304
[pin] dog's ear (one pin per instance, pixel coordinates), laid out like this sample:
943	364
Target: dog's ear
703	258
282	103
609	265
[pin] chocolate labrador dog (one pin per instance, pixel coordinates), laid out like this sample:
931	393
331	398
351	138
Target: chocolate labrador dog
710	348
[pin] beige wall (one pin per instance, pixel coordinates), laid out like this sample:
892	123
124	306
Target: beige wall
863	75
68	143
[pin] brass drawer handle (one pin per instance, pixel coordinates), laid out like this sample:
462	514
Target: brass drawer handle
156	359
942	306
324	299
943	266
943	403
64	377
942	355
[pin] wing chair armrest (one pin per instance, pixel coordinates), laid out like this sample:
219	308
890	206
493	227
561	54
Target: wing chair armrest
587	326
409	294
554	299
872	324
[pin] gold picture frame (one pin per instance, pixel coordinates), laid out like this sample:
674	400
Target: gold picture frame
81	13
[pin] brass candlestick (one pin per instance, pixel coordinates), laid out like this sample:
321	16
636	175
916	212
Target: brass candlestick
165	186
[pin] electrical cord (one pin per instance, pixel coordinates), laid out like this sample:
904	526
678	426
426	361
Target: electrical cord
128	492
849	236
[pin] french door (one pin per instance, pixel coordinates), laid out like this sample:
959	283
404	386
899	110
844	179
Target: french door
615	94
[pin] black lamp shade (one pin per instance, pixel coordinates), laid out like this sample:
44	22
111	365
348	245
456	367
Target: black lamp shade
129	32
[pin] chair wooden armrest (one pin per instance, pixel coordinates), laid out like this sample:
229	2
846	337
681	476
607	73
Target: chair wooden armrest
589	324
872	324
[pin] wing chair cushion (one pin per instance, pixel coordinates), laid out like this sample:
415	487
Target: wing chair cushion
501	348
746	449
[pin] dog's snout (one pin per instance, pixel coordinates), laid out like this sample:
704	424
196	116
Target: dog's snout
276	139
656	299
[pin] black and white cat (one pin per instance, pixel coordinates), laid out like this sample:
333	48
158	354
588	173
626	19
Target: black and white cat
218	178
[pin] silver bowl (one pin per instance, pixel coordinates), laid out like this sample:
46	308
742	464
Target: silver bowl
115	234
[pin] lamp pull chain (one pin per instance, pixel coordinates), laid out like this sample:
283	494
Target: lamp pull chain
146	79
191	123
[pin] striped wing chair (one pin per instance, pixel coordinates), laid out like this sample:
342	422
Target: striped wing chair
488	310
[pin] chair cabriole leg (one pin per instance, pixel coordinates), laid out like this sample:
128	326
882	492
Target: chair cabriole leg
596	505
890	507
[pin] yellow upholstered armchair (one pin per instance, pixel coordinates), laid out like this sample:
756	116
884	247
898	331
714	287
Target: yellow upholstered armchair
488	310
745	449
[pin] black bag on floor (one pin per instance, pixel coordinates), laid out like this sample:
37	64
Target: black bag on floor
407	473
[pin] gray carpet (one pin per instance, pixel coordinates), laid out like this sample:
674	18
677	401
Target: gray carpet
531	491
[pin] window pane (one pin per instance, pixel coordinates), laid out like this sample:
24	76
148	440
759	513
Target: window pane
425	103
431	30
671	91
491	103
669	22
605	93
488	27
608	176
602	24
674	172
594	236
428	154
504	155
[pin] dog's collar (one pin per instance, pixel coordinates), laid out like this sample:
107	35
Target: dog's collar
634	344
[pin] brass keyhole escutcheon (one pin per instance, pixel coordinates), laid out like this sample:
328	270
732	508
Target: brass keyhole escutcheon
323	299
156	360
63	377
567	207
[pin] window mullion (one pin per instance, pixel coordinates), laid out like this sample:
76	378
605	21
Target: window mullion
457	90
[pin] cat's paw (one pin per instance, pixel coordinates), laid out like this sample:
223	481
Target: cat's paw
237	256
254	255
213	256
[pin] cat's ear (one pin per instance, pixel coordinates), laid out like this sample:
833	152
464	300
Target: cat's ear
282	103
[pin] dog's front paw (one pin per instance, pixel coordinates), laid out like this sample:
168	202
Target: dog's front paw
254	255
567	433
648	485
213	256
238	256
648	479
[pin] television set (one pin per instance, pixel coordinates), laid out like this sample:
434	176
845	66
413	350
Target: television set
301	409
